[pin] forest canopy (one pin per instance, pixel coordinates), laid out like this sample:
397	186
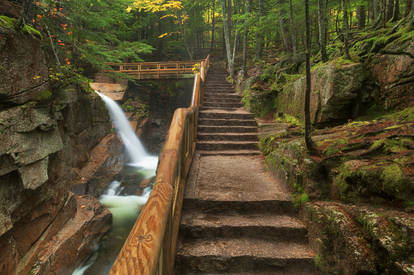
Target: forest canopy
88	33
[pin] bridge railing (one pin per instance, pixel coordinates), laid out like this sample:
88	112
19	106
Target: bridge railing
150	247
155	70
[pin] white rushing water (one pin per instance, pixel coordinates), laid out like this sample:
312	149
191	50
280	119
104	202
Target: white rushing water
135	150
124	208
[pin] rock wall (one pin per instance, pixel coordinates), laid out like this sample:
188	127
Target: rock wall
356	195
46	134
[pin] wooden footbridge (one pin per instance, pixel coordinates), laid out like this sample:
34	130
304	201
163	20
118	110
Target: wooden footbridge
159	70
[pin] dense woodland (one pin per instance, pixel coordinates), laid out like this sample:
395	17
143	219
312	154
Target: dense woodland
88	33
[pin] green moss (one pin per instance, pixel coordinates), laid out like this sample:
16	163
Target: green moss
10	23
393	179
286	118
32	31
331	150
391	145
405	115
340	181
7	22
45	95
317	260
339	62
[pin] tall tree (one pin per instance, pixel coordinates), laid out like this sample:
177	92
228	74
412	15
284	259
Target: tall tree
345	27
292	30
259	33
361	16
283	25
308	138
409	4
396	11
213	24
245	34
322	6
227	37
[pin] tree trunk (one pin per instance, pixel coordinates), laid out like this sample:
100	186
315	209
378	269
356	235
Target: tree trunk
259	34
226	29
322	29
390	10
213	25
246	29
396	11
361	17
283	29
409	4
292	30
345	28
411	17
308	139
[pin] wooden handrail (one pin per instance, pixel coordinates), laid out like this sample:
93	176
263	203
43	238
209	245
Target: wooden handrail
155	70
150	247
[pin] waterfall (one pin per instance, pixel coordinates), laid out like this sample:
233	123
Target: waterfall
123	206
136	152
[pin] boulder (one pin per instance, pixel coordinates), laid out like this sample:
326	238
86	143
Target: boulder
336	93
393	73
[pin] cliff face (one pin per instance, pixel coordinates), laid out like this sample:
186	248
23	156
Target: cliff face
46	135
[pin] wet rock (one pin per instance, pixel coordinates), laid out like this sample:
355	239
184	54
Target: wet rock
106	160
60	250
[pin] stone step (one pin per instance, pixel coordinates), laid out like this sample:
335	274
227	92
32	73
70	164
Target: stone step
199	225
270	271
227	122
229	153
211	95
225	114
228	136
243	255
227	145
217	84
226	129
222	105
219	89
220	108
219	99
233	205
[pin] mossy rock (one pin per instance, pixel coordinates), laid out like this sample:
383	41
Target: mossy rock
361	179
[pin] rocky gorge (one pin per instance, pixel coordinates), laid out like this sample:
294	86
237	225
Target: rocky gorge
59	152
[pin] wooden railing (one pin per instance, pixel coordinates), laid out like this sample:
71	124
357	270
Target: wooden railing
150	247
155	70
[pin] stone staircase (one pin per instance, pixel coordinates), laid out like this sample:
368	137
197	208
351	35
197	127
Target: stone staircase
237	218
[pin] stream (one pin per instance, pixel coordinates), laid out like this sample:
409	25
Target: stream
121	195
